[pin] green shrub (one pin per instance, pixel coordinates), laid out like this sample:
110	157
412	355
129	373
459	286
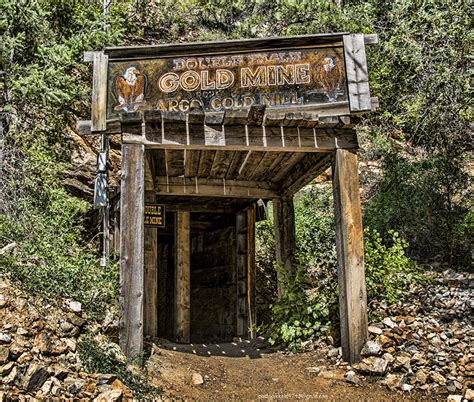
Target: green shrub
96	358
309	305
389	271
298	316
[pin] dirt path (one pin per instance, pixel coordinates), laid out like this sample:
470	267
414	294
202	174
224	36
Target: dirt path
243	371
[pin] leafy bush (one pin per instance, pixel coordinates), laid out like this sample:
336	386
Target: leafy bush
309	305
298	315
97	358
426	199
389	271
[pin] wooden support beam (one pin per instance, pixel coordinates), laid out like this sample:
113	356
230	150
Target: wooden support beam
285	238
99	92
357	73
203	187
183	278
251	271
350	255
306	170
242	273
131	250
84	127
254	138
150	304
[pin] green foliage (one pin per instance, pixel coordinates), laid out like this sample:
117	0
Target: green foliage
308	306
315	233
43	86
98	358
296	316
426	199
389	271
45	223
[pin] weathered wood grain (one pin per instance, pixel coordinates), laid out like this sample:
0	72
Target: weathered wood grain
84	127
350	255
205	163
221	163
131	250
99	92
183	278
191	163
150	299
264	165
251	272
205	187
174	162
289	164
285	238
357	73
249	165
306	170
241	268
182	49
322	138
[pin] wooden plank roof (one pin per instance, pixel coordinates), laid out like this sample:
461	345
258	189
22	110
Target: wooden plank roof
227	46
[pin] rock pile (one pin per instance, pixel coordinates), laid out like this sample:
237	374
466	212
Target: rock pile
38	351
425	344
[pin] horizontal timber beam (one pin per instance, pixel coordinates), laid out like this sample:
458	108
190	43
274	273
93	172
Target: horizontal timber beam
247	138
184	186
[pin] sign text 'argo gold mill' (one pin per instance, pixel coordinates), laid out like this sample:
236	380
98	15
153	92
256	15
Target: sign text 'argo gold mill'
234	81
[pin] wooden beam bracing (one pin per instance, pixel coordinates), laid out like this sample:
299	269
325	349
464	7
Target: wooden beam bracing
306	170
202	187
241	138
131	250
183	278
285	238
150	299
350	255
251	271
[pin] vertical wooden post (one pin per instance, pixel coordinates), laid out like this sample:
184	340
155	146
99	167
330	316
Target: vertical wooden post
183	277
150	308
285	237
131	249
117	232
252	321
242	272
350	254
99	92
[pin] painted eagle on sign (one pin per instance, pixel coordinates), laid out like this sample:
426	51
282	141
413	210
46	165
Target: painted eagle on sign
129	89
330	76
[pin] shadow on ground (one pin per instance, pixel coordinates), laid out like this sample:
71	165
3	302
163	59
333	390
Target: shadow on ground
239	347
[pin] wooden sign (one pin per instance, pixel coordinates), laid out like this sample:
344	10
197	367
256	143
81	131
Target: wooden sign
227	78
154	215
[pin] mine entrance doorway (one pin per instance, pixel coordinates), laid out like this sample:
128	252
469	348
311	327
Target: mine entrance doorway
219	285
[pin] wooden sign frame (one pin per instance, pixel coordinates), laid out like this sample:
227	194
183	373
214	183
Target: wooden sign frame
149	215
113	74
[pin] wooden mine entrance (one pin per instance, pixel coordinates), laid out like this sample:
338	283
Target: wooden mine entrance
209	131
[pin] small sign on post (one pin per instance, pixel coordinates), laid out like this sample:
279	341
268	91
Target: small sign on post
155	215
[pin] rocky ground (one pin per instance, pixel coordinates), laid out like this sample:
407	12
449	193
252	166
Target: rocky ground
425	344
38	351
422	349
